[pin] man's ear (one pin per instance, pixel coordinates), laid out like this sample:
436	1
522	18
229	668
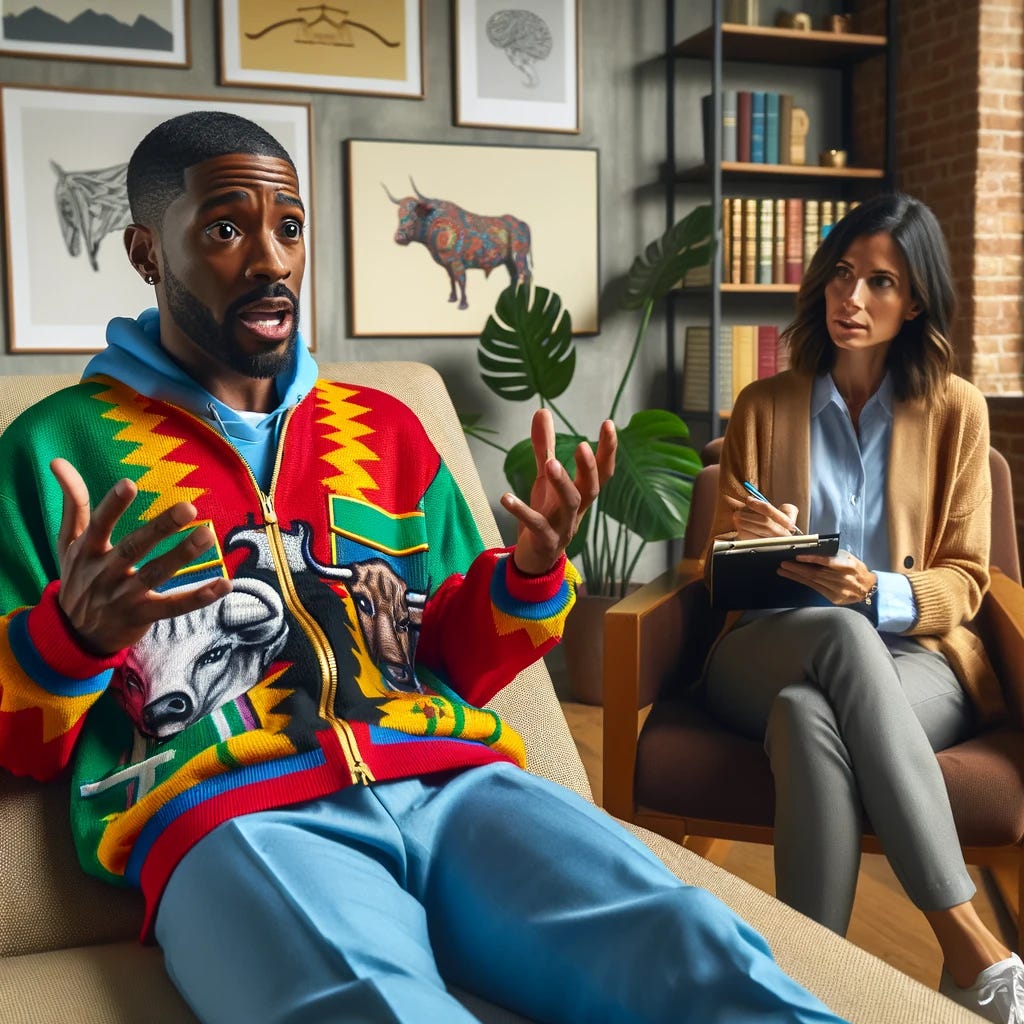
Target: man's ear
141	247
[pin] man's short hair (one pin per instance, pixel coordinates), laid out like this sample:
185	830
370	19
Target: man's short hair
156	171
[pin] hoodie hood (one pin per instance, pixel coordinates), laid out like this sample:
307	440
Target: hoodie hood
135	357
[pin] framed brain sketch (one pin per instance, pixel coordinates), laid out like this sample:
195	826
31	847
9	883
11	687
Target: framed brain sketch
517	65
437	231
65	154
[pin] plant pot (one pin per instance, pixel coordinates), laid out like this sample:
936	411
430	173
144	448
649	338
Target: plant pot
583	646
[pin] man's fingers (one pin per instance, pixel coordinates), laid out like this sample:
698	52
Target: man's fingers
160	569
75	511
542	436
607	444
167	606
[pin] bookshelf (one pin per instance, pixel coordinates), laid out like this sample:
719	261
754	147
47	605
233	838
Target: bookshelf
821	61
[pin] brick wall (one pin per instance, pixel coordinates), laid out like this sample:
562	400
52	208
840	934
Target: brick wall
958	121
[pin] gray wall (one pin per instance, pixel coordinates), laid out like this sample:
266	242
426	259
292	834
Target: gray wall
622	117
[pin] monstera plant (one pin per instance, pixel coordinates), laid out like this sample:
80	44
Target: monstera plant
527	354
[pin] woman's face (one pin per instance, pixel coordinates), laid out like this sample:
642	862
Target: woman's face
868	298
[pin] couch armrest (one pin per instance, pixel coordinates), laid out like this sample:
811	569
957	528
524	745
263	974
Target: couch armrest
1003	626
645	638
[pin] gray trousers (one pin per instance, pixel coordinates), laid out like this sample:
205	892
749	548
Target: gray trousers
850	719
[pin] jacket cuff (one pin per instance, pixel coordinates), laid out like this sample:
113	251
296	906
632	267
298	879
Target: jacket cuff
533	589
57	643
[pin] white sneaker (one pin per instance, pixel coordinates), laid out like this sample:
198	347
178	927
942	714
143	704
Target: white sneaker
997	993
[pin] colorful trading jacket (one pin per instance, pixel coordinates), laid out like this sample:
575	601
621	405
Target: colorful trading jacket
364	631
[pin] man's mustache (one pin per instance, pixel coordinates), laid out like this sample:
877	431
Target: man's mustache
268	291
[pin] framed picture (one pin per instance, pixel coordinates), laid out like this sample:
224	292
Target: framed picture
518	68
118	31
437	231
65	155
372	46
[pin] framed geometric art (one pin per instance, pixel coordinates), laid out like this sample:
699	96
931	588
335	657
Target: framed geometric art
116	31
372	46
518	68
65	154
437	231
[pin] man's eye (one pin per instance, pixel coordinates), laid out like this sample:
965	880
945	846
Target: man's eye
223	231
291	229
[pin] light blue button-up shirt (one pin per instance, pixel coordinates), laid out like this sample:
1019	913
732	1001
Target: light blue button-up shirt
848	474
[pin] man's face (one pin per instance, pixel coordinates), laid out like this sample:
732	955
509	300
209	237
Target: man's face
233	257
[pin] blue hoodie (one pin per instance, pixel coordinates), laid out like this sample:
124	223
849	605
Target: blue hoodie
134	357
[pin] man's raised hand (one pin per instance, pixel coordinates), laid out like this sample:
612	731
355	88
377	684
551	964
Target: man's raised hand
109	603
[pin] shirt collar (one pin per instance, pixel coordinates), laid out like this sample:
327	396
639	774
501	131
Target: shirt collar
824	392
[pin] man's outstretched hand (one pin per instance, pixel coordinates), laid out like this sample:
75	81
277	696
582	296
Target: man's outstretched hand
557	503
109	603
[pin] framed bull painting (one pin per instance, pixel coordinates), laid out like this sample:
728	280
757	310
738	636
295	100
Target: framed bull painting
115	31
437	231
370	46
518	68
65	155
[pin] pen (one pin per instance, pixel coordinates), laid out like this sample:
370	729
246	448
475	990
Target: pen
760	497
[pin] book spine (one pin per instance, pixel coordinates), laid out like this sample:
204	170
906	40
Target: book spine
842	209
771	128
725	229
744	357
826	217
736	231
767	350
749	275
757	102
707	107
811	230
724	368
785	128
779	243
729	125
765	240
697	369
743	101
794	241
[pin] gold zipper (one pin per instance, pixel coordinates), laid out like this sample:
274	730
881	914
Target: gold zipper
358	768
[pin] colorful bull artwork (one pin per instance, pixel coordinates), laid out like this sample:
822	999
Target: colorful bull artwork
459	240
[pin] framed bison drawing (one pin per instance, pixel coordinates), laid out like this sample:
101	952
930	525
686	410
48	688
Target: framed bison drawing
370	46
436	231
517	65
65	207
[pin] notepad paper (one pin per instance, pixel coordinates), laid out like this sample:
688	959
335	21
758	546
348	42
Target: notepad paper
744	573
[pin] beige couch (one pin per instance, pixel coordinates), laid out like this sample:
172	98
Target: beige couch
68	953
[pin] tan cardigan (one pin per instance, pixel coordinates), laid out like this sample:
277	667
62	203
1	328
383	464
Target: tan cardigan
939	496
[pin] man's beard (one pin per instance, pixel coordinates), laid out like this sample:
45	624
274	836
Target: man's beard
200	326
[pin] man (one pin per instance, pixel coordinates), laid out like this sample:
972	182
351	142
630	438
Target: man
265	651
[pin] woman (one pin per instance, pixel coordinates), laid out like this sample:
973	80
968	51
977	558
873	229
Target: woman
871	435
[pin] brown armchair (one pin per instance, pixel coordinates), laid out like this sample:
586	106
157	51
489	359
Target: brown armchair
685	776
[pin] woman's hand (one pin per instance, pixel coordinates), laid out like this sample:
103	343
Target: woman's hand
755	518
842	578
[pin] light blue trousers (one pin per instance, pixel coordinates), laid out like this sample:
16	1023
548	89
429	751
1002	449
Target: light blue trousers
354	908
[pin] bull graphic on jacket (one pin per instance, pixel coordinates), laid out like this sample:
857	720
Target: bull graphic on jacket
459	240
366	629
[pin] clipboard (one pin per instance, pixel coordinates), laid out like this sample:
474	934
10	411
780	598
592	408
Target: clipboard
743	572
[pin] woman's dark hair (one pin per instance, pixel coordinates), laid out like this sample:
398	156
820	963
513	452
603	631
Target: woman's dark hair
921	356
156	171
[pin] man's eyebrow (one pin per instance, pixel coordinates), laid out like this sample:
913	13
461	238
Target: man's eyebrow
240	195
284	199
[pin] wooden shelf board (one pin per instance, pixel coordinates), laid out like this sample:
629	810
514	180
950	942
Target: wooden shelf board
764	45
771	289
736	169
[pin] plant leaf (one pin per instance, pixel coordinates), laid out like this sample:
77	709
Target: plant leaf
653	482
526	347
664	263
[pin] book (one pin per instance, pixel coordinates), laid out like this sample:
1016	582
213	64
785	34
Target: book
724	366
811	228
771	128
779	243
785	126
826	217
767	350
744	357
765	239
741	12
736	232
743	99
757	104
794	241
726	232
729	125
744	573
749	275
697	368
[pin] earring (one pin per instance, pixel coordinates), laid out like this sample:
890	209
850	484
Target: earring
151	279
